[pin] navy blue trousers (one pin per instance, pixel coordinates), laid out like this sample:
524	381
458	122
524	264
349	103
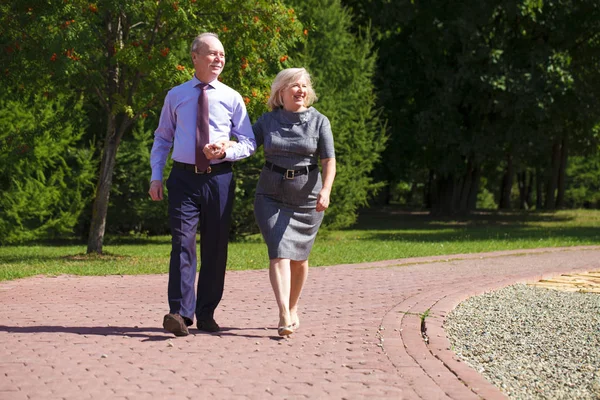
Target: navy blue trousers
205	201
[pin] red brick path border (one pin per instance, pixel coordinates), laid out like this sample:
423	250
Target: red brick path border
360	336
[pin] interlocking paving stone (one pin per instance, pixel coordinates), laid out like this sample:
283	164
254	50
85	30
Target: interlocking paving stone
360	336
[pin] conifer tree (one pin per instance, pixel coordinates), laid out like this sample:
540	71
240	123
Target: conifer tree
342	66
45	176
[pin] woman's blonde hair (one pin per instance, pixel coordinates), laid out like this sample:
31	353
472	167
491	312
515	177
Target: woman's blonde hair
286	79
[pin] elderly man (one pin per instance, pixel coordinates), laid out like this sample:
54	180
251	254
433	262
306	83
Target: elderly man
198	119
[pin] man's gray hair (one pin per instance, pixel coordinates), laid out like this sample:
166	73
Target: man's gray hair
199	40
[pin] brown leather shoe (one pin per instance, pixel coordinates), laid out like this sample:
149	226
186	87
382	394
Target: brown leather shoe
175	324
208	325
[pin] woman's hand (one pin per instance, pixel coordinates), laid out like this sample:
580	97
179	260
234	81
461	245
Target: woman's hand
328	176
229	143
323	199
217	150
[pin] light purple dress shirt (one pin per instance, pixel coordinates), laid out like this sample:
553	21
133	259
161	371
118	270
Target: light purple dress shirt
177	125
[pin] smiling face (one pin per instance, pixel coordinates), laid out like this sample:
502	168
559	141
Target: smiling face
209	59
294	96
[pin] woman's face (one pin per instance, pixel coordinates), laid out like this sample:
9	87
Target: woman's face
294	96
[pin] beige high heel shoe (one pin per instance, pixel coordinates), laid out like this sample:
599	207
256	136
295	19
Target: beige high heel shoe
285	330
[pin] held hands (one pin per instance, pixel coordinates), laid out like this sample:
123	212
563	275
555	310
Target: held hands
323	199
217	150
211	151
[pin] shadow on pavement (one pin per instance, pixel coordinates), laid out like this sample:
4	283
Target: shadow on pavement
131	331
148	333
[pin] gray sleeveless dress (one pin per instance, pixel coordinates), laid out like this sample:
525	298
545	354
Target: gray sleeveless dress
285	208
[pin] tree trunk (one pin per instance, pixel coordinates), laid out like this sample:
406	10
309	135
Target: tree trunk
553	177
457	184
529	191
507	183
114	36
524	181
562	174
443	198
539	189
464	190
472	200
469	187
100	206
428	194
411	194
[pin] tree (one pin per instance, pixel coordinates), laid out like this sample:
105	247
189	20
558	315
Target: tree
343	68
472	88
45	176
125	55
584	177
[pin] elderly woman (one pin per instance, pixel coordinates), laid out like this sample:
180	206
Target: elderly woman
291	195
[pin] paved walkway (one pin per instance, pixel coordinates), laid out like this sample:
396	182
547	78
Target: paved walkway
360	336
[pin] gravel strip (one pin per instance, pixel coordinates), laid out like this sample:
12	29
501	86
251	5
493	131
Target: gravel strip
531	342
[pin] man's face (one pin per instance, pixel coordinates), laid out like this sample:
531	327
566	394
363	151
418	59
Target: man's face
209	59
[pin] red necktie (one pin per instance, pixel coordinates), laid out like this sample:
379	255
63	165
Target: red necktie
202	130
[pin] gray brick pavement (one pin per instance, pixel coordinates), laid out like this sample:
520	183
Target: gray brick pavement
360	337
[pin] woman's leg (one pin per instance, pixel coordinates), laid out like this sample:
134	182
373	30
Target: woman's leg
299	273
279	274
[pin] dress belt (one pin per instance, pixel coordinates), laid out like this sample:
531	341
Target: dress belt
213	168
290	173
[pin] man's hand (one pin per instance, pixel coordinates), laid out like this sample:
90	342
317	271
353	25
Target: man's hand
156	190
217	150
214	151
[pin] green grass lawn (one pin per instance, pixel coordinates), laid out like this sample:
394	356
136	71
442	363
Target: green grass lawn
384	234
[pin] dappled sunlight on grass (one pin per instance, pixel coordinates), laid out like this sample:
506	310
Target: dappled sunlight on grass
388	233
94	257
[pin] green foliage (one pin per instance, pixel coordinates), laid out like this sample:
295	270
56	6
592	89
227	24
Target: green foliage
131	210
130	52
246	174
44	173
383	234
584	182
467	86
124	55
485	197
342	67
